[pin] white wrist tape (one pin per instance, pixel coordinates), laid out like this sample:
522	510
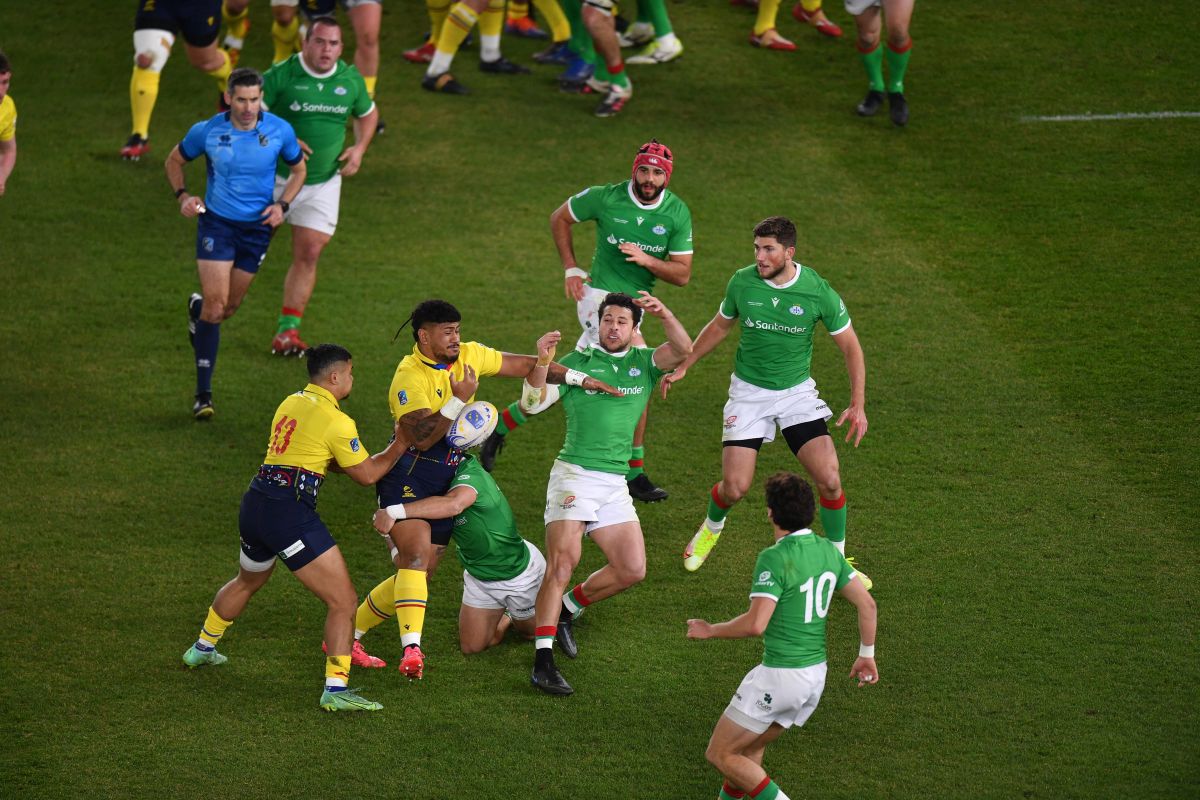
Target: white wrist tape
866	650
397	511
451	409
575	272
530	395
575	377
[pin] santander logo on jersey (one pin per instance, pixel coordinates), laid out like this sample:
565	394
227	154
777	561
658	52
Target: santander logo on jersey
649	248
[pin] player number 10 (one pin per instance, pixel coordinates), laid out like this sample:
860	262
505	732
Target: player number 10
824	595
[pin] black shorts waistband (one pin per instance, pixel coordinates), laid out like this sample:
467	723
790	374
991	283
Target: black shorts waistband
278	480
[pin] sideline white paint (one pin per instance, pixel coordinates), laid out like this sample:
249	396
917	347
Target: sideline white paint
1108	117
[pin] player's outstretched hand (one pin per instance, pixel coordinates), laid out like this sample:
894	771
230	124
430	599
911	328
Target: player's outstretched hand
699	629
679	374
465	388
573	287
547	345
383	521
351	159
304	148
865	671
651	305
636	254
857	417
600	386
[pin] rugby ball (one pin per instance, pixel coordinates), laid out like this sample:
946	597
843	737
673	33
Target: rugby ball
474	424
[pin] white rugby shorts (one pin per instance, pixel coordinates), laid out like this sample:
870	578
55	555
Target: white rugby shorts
588	311
769	695
316	206
856	7
599	499
753	412
515	595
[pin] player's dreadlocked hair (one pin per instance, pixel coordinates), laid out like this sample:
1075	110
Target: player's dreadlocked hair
624	301
781	229
790	499
429	312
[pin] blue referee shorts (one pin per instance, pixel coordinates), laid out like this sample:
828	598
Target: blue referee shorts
281	526
243	243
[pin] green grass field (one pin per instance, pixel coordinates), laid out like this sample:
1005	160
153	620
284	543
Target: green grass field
1025	500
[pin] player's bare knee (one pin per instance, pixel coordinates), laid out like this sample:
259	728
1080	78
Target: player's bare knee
898	39
471	648
734	490
867	42
631	574
829	484
229	310
213	311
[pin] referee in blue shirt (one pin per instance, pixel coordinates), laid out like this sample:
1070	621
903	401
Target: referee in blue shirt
237	215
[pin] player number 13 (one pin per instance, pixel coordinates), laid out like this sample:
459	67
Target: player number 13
283	437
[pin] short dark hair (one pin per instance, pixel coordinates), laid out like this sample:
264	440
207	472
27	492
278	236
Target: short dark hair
624	301
324	357
433	312
779	228
790	499
244	76
324	19
5	66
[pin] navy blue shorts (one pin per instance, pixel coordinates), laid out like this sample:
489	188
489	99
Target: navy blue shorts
198	20
243	243
281	526
417	475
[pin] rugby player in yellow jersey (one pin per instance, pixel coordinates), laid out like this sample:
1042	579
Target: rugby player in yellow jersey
157	24
8	124
430	387
278	519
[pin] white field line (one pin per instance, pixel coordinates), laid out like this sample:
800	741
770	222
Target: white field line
1109	117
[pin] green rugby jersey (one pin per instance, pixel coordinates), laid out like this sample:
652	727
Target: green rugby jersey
599	426
777	324
801	572
317	106
485	533
662	229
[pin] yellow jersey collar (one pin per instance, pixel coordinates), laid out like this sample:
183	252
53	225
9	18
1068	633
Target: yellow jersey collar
417	354
321	392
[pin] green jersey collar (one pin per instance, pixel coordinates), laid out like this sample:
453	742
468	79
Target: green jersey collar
304	66
653	206
621	354
790	283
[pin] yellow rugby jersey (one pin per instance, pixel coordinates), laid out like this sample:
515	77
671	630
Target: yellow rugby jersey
8	119
421	383
309	430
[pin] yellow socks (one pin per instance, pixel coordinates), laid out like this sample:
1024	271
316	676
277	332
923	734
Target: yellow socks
377	606
811	5
337	673
143	92
214	628
236	25
287	39
369	80
411	595
221	73
491	23
768	10
552	13
438	9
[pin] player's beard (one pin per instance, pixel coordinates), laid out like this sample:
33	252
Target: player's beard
773	271
641	194
604	343
447	358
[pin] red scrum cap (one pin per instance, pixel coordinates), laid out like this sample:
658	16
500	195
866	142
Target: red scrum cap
654	154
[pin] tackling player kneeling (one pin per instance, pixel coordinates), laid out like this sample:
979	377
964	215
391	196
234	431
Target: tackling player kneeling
793	587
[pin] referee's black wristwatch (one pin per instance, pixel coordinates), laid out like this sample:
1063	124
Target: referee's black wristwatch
284	204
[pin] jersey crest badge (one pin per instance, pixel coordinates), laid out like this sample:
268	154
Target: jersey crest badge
408	492
764	576
641	220
797	310
263	141
340	90
354	445
659	229
402	396
634	372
